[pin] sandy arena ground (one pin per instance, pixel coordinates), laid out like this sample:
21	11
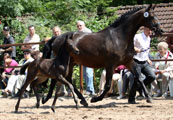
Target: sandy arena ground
107	109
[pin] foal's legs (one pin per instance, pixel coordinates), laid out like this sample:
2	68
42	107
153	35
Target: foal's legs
69	78
58	86
63	80
49	95
30	77
109	73
34	85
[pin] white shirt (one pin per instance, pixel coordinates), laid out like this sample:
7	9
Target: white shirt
142	42
87	30
35	38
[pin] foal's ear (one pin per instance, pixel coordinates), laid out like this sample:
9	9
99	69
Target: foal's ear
153	6
148	8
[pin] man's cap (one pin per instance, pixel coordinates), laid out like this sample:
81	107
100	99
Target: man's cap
27	50
6	28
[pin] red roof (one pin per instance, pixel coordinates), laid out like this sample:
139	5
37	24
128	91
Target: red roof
163	11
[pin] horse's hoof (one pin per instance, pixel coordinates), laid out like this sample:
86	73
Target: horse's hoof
53	109
94	99
84	103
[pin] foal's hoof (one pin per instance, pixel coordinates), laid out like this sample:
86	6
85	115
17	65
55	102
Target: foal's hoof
53	109
149	100
16	110
84	103
37	105
43	100
94	99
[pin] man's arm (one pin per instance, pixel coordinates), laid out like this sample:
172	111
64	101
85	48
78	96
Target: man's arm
137	50
25	47
11	41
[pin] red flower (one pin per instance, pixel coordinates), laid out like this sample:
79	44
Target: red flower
0	22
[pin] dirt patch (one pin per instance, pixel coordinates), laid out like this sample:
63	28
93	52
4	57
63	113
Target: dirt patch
107	109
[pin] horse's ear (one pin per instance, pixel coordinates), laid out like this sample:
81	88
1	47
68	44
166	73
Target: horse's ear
148	8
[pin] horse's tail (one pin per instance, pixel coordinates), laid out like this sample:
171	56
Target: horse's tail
23	68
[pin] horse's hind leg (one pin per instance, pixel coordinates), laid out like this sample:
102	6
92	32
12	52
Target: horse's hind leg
80	96
109	73
29	79
51	88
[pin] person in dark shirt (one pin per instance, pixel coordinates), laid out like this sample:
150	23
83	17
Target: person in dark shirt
8	39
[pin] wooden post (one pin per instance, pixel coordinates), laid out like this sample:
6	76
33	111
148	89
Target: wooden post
81	79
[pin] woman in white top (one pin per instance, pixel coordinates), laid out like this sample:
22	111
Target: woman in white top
164	69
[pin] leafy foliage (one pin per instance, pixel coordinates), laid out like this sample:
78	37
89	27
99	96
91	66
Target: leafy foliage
44	14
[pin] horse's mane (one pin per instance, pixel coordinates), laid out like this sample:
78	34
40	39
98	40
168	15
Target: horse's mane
124	16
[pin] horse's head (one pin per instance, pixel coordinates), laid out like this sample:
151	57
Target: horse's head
151	20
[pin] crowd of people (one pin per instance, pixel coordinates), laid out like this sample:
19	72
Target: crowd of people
151	73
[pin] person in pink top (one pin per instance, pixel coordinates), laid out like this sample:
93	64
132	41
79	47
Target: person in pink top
8	61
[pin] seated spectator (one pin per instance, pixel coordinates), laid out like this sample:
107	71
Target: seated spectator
16	80
116	77
8	61
164	69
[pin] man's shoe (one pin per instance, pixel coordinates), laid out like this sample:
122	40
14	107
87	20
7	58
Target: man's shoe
132	102
120	97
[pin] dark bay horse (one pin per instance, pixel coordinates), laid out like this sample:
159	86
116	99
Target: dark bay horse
112	46
41	69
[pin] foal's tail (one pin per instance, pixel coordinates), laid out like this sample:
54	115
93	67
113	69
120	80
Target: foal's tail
23	68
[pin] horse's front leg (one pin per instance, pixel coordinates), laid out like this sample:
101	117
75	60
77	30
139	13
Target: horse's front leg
109	73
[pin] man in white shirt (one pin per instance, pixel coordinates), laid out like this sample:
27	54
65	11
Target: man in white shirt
88	72
30	38
142	61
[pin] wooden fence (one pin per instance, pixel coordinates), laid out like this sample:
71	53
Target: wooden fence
81	67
